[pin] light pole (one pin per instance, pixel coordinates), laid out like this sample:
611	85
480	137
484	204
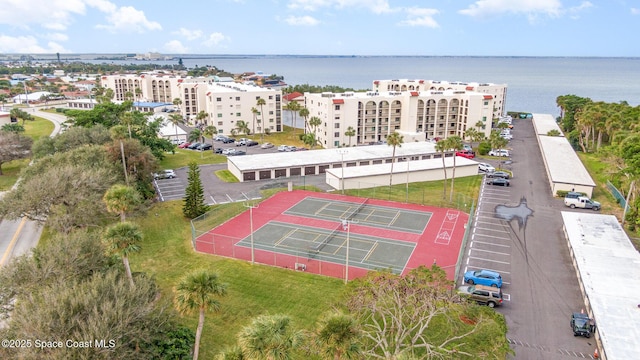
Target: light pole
251	207
347	223
408	163
342	152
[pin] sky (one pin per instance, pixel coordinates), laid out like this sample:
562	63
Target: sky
323	27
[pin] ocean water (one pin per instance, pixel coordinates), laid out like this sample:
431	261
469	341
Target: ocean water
533	83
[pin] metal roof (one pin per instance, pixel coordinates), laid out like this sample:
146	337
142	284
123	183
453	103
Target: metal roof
400	167
543	123
328	156
563	164
609	268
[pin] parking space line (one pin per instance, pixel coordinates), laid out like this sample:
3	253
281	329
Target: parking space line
491	236
491	252
489	260
212	199
498	271
493	230
492	244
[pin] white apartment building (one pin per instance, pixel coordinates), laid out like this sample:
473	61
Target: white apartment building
223	102
417	115
497	91
226	103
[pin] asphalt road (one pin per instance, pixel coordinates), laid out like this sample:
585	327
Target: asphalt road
530	250
18	237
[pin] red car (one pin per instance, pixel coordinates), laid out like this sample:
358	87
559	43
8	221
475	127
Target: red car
466	154
184	145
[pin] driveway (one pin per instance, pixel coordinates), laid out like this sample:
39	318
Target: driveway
517	230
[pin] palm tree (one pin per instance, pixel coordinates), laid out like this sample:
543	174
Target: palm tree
442	147
201	116
254	111
138	92
337	336
195	135
269	337
211	131
304	112
394	140
176	119
260	103
120	199
199	291
177	102
351	132
243	127
294	107
455	144
122	239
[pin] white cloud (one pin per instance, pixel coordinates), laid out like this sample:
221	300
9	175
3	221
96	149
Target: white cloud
635	11
188	34
175	47
420	17
102	5
52	14
301	21
57	36
129	19
28	44
215	39
484	8
375	6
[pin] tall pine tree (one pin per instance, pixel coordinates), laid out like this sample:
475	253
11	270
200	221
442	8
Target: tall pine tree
194	205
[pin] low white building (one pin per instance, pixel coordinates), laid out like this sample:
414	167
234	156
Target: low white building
405	172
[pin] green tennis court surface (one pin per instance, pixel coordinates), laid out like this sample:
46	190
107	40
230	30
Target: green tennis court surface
365	251
362	213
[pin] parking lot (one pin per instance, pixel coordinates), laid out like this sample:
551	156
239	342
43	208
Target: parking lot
517	231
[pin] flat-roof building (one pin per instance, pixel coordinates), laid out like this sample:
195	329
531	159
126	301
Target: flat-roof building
417	115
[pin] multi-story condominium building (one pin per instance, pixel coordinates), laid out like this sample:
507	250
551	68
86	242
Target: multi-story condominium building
224	103
498	91
417	114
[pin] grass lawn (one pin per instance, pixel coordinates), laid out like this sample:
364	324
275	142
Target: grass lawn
227	176
38	128
598	171
183	157
11	170
167	254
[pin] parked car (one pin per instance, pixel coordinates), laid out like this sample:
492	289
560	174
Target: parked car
238	153
184	145
219	137
498	181
467	147
291	148
251	143
483	295
203	147
228	140
218	150
487	168
499	174
266	145
582	325
164	174
228	151
506	136
194	146
582	202
483	277
466	154
499	152
241	141
282	148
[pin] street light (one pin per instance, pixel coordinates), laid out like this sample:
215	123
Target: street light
347	223
342	152
251	207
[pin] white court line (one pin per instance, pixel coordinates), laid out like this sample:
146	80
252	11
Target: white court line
492	244
492	252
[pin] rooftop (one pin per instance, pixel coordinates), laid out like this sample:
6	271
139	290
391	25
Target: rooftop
568	168
609	268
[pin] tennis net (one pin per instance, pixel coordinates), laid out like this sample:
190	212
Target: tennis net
357	210
316	247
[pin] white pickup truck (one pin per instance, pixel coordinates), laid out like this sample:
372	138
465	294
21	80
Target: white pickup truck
582	202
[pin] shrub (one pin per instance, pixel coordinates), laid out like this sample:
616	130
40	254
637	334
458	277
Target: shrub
484	148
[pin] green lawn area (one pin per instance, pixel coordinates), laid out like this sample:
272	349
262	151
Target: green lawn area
11	170
183	157
166	254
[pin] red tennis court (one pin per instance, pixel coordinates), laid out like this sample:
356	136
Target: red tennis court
322	232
